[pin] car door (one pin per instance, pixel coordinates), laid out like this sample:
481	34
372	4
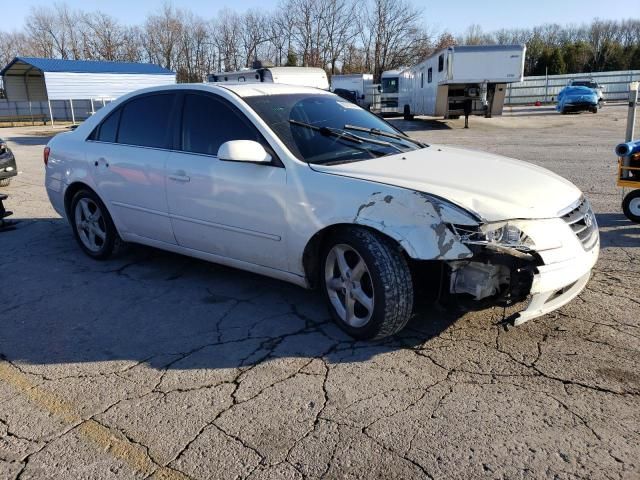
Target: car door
128	152
232	209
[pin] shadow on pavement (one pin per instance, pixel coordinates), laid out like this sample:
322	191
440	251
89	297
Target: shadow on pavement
30	140
419	124
163	309
618	231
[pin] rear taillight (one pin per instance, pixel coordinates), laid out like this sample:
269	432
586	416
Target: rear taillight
47	150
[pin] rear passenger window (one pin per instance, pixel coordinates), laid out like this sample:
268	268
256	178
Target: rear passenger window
145	121
108	128
208	122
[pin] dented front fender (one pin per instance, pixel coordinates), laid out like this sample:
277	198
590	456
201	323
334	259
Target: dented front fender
414	221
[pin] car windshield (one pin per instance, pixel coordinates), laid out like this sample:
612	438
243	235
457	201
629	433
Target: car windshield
389	85
585	84
324	128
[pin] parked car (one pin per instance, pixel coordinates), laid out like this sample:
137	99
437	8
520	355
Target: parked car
589	83
297	184
8	167
577	99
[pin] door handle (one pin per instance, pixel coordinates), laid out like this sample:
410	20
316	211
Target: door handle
180	176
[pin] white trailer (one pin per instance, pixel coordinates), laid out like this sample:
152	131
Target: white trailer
302	76
361	84
475	75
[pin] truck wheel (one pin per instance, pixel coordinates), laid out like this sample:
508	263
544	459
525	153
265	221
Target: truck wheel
5	182
367	284
631	206
594	109
92	226
407	113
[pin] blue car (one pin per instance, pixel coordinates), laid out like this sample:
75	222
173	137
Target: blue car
577	99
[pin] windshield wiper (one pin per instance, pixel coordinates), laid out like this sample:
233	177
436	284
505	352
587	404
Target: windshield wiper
342	134
382	133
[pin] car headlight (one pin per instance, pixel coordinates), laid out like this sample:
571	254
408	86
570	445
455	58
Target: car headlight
505	234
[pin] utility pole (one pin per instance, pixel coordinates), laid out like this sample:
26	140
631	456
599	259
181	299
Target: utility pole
631	114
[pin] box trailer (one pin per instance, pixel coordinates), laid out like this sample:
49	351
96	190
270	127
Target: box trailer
360	84
472	75
303	76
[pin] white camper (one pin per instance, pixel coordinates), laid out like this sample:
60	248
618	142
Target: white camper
475	75
301	76
361	84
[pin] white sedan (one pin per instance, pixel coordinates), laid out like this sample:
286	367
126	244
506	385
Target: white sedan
301	185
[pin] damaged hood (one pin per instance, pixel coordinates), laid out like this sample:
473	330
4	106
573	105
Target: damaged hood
494	187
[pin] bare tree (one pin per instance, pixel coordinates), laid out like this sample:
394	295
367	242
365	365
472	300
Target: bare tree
254	32
162	32
227	28
339	29
13	44
105	37
397	36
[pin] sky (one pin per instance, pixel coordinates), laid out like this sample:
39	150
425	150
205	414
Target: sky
439	15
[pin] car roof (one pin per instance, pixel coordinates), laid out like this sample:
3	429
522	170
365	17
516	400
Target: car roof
267	88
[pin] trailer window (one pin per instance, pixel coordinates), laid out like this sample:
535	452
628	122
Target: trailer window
430	75
441	62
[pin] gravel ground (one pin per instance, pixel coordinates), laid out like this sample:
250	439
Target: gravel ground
159	365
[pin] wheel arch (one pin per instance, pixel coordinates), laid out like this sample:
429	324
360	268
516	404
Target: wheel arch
313	249
74	188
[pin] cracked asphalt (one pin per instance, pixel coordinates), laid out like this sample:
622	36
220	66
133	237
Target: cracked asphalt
157	365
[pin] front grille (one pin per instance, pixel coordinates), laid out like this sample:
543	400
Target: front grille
582	221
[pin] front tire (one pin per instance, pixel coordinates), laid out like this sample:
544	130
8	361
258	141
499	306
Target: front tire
367	284
5	182
92	225
631	206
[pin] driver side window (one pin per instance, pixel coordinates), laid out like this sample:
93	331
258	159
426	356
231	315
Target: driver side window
208	122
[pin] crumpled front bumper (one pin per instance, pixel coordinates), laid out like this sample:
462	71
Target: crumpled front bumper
556	284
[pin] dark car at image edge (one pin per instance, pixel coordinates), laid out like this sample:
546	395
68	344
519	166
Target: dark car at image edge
8	168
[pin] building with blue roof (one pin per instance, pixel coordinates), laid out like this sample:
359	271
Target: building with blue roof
44	79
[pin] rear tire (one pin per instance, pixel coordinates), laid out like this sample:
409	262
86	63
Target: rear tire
92	226
5	182
407	113
367	283
631	206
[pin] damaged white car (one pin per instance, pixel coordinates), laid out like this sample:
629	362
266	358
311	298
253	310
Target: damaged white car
301	185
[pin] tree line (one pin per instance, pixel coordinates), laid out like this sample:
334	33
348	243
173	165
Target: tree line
341	36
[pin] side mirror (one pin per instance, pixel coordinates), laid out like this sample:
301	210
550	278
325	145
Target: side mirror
243	151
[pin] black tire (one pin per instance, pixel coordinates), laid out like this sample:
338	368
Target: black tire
5	182
632	196
112	242
594	110
390	279
407	113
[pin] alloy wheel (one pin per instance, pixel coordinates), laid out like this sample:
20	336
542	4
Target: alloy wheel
349	285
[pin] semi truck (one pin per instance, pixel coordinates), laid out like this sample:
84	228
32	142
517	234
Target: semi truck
442	85
303	76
